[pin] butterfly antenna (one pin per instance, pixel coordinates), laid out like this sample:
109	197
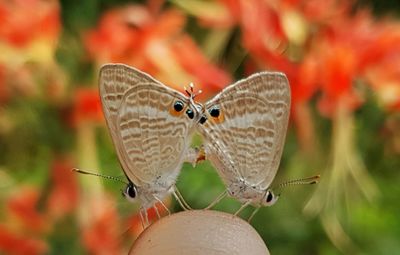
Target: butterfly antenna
99	175
191	93
304	181
308	180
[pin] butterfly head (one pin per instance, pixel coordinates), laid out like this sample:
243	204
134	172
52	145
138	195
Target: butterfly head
130	192
272	194
269	198
197	107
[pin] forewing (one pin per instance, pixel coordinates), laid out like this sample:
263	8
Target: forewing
246	140
149	137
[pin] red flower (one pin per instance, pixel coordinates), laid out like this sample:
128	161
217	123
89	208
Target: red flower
154	43
338	74
23	208
385	81
321	12
63	197
125	35
20	244
339	49
4	94
210	78
262	30
347	48
24	20
87	106
101	235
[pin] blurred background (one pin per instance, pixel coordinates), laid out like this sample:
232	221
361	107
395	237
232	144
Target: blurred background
342	59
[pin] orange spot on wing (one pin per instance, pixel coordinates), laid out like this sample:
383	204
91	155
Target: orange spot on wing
219	119
175	113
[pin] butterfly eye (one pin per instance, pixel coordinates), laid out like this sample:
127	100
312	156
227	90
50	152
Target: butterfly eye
214	112
131	191
178	106
270	196
190	113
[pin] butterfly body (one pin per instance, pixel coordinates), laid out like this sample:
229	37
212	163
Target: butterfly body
146	193
151	127
244	137
245	192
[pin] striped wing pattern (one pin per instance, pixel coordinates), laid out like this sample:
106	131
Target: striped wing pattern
246	141
150	142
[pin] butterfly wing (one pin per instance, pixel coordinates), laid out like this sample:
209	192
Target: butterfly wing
246	139
150	137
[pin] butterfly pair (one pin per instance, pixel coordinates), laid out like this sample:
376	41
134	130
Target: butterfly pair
243	130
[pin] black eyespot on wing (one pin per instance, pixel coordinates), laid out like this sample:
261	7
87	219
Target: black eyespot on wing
178	106
190	113
269	197
131	191
214	112
203	119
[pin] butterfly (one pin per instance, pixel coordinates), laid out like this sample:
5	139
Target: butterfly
244	136
151	127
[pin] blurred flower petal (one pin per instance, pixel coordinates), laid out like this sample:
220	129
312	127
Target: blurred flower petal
23	206
17	244
63	197
101	235
19	30
87	106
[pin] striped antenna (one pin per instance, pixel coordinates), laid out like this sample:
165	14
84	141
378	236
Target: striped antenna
304	181
99	175
308	180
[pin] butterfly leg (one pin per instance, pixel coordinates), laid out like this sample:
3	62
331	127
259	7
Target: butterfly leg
242	207
157	212
252	214
161	202
141	218
144	217
216	201
178	196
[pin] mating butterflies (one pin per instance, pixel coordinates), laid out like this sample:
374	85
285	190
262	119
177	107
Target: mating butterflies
243	128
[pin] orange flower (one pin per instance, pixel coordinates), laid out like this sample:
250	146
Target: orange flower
385	80
209	77
63	197
340	49
154	43
4	94
262	29
125	34
25	20
340	69
24	225
320	12
87	106
23	208
348	49
17	244
101	235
